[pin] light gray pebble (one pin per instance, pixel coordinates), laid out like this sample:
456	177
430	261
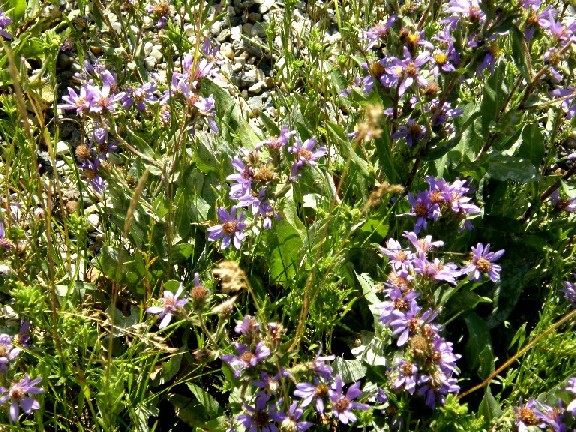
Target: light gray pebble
236	33
62	148
93	221
224	34
148	48
150	63
157	54
257	88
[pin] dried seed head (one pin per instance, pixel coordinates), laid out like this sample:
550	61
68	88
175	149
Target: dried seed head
231	276
83	152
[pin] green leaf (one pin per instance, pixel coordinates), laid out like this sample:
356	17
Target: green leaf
285	244
532	147
478	348
385	159
489	407
230	116
501	167
520	52
368	288
209	403
349	370
493	98
19	8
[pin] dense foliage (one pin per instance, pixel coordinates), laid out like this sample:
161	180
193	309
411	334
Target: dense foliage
389	247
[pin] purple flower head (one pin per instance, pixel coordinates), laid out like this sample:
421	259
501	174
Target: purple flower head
571	408
436	269
170	304
317	393
422	245
320	368
79	102
261	417
547	20
207	108
270	384
248	327
24	333
5	243
464	9
343	404
246	358
305	154
18	396
568	103
379	31
230	229
398	257
407	376
529	414
275	143
398	306
406	72
424	209
4	22
8	352
290	421
483	263
242	178
412	131
140	96
569	291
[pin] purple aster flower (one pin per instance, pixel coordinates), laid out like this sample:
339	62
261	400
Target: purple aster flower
248	327
442	113
343	404
4	22
246	358
412	131
270	384
547	20
529	414
230	229
379	31
434	388
170	304
316	393
568	103
464	9
260	418
103	100
483	262
207	108
290	421
399	258
407	376
400	304
423	208
280	141
406	72
422	245
242	178
319	366
18	395
24	333
160	10
436	269
571	408
5	243
569	291
79	102
305	154
140	96
8	352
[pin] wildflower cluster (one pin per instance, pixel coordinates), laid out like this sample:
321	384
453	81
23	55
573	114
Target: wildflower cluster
442	200
321	395
535	413
20	393
101	104
262	176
